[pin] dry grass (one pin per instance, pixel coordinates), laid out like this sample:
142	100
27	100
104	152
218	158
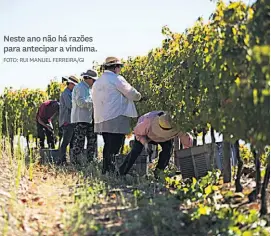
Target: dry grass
80	201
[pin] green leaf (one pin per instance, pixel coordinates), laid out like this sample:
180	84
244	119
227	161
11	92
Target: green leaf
234	31
247	233
255	96
204	210
185	190
167	179
237	81
265	92
208	190
194	181
208	58
214	188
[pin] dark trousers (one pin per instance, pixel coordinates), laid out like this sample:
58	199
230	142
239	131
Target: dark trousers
82	130
137	148
60	133
42	132
112	145
67	139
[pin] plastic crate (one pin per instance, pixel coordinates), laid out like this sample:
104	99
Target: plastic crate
52	156
193	162
49	156
197	161
140	166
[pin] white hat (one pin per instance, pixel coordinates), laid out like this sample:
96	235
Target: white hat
71	79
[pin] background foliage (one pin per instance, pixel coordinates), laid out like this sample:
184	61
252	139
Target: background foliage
19	109
214	73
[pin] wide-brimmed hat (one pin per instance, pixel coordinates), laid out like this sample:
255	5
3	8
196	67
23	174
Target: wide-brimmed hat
70	79
91	74
162	127
110	61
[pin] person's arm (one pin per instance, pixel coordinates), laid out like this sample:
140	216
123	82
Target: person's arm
141	131
186	139
127	90
43	124
80	98
50	120
66	100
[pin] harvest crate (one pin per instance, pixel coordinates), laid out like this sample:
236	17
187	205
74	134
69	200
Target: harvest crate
49	156
197	161
140	166
52	156
193	162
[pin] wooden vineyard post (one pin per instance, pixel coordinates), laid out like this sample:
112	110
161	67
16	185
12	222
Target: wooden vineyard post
176	147
226	170
176	143
213	149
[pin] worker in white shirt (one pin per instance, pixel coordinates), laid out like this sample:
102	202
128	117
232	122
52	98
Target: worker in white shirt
113	102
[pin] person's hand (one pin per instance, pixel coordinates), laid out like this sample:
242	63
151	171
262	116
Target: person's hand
226	102
143	99
49	127
148	148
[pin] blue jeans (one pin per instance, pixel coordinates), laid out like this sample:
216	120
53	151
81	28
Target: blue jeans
67	139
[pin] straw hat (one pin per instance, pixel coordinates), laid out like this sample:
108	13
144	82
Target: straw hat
161	126
109	61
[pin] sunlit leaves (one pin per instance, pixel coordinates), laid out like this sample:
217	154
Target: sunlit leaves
21	107
237	81
224	60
